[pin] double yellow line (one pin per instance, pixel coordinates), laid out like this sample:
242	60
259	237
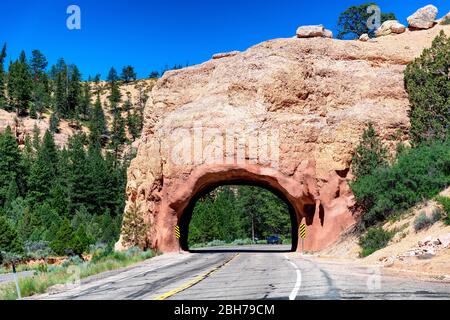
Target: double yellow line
193	282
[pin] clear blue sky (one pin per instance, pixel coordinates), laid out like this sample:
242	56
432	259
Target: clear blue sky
150	34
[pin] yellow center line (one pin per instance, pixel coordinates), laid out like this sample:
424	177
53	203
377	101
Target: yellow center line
193	282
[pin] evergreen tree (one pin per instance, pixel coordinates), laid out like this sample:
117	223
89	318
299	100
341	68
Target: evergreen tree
10	164
44	170
370	153
134	123
118	136
101	182
97	123
78	180
85	103
80	241
3	100
128	74
74	93
20	85
427	83
154	75
28	224
59	73
133	226
62	244
115	95
54	123
59	193
41	92
9	240
38	65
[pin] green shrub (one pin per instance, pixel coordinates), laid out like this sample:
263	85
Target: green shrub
369	154
375	239
419	173
445	203
422	222
428	87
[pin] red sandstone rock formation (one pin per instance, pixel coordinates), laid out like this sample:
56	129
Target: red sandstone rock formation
308	99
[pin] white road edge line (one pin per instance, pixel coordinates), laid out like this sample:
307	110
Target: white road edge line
298	283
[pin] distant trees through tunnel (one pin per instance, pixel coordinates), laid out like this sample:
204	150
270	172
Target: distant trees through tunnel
239	214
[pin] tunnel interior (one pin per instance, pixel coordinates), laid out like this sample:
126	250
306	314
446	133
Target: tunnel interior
187	214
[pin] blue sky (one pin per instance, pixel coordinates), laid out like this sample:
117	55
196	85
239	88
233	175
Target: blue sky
150	34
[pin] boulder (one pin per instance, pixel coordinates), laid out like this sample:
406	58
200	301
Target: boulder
310	31
390	26
364	37
424	18
445	240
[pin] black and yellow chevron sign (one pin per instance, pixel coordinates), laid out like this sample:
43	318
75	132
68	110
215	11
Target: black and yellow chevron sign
302	231
177	232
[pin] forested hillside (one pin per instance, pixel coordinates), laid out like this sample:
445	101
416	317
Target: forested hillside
62	198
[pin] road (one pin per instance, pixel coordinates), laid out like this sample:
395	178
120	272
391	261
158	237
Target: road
9	277
249	273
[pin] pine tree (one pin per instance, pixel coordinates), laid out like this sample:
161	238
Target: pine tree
118	136
3	100
85	103
44	170
115	95
9	240
59	193
128	74
74	93
10	163
20	85
133	226
40	93
38	64
101	181
78	180
134	123
370	153
59	73
54	123
97	123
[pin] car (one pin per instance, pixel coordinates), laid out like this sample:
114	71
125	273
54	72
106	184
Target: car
274	240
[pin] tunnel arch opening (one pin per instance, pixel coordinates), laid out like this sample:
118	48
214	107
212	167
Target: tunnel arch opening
186	216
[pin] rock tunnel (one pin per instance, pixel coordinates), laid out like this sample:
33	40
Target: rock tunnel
286	115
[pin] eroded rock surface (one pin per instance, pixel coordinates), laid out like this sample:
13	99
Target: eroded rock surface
314	96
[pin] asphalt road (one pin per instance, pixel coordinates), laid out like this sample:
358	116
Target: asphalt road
243	273
9	277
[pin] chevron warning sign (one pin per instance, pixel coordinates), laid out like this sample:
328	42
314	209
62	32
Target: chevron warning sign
177	232
302	231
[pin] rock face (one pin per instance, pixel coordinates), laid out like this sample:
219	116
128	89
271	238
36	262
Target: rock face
424	18
390	26
285	115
